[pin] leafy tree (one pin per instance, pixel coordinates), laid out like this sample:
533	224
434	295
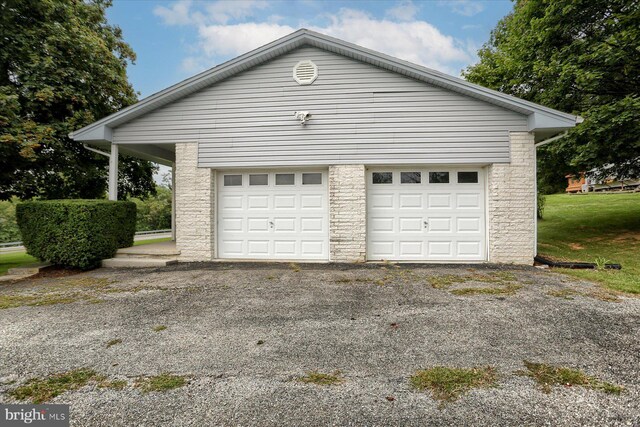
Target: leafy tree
579	56
62	66
154	213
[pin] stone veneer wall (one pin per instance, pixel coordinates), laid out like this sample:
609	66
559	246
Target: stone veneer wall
195	205
347	213
511	199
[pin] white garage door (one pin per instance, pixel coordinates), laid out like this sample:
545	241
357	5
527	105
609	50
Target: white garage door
273	215
433	214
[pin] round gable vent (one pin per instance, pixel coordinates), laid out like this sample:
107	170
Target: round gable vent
305	72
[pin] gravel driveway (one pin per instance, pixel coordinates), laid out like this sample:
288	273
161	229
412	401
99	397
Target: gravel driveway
242	334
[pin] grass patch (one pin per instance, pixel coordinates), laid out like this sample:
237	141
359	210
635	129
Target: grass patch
114	342
160	382
447	384
42	390
592	228
15	259
159	328
113	385
547	376
149	241
504	282
320	378
12	301
508	289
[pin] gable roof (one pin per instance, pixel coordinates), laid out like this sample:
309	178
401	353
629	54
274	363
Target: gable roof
546	121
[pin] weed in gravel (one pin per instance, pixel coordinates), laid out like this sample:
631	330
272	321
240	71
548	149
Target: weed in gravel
160	382
343	280
319	378
445	281
548	376
113	342
447	384
12	301
601	294
159	328
114	385
39	390
564	293
295	267
508	289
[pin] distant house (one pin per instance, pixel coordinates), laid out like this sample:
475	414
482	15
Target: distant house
585	184
312	148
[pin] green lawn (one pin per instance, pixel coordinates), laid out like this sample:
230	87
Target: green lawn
146	242
594	228
18	259
14	259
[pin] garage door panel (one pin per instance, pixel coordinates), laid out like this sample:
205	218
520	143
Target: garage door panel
257	202
411	249
467	249
312	247
284	202
467	201
233	246
232	224
231	202
382	224
312	201
426	220
284	224
257	224
410	201
439	249
408	225
469	225
258	247
438	201
440	224
308	225
382	249
382	201
270	221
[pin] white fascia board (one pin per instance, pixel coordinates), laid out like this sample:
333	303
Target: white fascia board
538	121
94	133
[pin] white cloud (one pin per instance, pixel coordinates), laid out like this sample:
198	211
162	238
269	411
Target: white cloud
399	34
179	13
464	7
225	10
416	41
233	40
404	11
221	12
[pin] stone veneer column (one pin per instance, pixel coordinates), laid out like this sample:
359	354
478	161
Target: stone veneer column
512	203
195	205
347	213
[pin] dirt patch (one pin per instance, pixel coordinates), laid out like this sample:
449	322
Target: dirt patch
576	246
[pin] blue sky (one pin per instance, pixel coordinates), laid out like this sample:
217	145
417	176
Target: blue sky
176	39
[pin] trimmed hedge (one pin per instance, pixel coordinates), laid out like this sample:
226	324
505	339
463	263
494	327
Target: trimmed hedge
76	233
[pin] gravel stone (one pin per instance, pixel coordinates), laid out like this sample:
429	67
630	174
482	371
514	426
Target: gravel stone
375	323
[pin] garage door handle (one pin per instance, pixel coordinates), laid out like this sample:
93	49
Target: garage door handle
271	224
426	224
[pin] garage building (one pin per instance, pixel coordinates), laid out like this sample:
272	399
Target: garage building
314	149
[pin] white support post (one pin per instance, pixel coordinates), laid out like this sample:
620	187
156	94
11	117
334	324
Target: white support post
173	201
113	172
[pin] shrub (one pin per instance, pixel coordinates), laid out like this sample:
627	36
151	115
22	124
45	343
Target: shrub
76	233
541	201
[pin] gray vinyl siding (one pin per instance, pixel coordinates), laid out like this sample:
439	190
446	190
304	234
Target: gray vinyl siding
360	114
